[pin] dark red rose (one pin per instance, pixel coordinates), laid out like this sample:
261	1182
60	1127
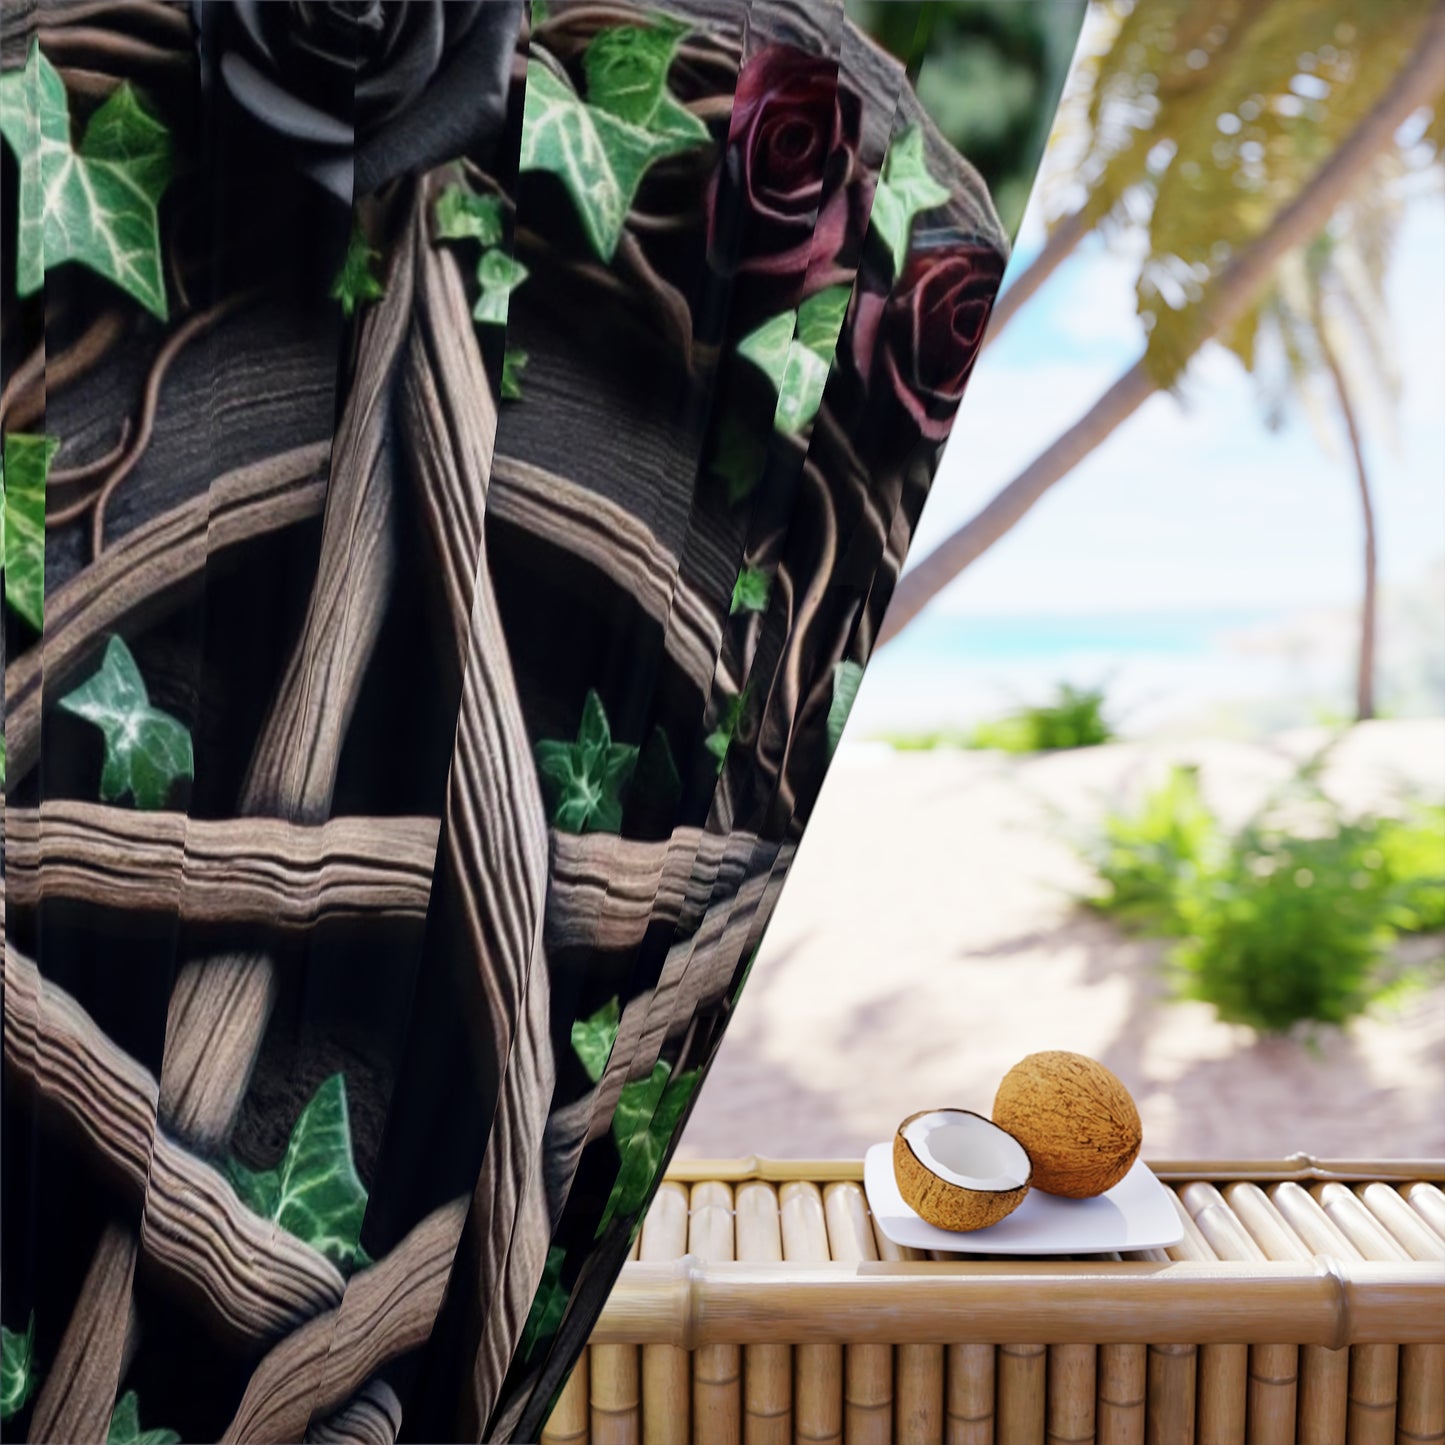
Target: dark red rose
925	335
794	147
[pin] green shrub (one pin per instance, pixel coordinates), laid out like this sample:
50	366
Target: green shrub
1291	919
1075	719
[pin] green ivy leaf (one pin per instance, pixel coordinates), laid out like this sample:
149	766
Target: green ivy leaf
592	1038
146	750
598	158
750	591
463	215
738	461
24	468
820	320
904	189
846	677
798	373
585	780
647	1116
96	205
18	1377
767	347
514	363
356	282
498	275
549	1304
801	394
125	1425
720	740
315	1192
627	69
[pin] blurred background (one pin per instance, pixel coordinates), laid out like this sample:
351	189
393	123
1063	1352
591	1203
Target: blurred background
1150	762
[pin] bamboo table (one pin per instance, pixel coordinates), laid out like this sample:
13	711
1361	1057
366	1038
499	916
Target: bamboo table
1306	1302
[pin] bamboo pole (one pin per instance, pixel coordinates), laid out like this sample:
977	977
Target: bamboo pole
1073	1378
1421	1416
716	1369
614	1390
1374	1369
1123	1373
1428	1201
1273	1368
666	1369
1324	1380
1203	1397
867	1369
569	1422
818	1387
1019	1394
970	1403
767	1369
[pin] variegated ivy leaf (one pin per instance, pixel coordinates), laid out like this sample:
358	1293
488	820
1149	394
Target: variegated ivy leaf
904	189
514	363
125	1425
750	591
498	275
95	204
549	1304
461	214
584	781
846	677
647	1115
627	69
146	750
592	1039
24	467
597	157
356	282
315	1192
18	1376
794	350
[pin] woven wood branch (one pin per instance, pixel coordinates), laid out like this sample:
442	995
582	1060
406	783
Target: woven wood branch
389	1310
372	1418
219	1006
130	580
613	539
494	837
250	1279
257	871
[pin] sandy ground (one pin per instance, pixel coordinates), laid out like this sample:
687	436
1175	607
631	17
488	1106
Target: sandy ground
927	940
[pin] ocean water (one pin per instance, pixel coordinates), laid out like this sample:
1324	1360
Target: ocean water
1160	670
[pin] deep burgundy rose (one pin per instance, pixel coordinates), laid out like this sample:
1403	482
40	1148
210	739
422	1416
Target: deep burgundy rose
794	154
925	335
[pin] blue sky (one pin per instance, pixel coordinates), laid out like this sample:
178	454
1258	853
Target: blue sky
1194	504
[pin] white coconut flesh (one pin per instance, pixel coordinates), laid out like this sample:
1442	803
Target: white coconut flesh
968	1151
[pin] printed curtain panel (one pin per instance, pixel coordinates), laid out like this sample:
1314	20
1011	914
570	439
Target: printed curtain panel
456	460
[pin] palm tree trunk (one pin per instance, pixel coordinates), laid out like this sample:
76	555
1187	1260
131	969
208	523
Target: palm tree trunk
1418	84
1365	664
1057	249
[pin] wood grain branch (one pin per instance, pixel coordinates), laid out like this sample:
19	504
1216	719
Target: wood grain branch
598	531
320	1367
372	1417
256	871
250	1279
140	576
494	835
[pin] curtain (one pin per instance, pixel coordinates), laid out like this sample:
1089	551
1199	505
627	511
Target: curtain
457	457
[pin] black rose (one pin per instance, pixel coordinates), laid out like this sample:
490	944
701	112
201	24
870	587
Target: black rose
361	92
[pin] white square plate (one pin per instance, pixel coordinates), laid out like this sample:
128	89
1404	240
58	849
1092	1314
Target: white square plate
1137	1213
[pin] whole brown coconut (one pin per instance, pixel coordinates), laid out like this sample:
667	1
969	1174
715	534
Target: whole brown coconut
957	1170
1076	1120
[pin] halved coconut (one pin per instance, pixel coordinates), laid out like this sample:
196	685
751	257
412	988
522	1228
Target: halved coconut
958	1170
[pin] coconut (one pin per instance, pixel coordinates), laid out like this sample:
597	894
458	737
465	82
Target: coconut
1076	1120
957	1170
